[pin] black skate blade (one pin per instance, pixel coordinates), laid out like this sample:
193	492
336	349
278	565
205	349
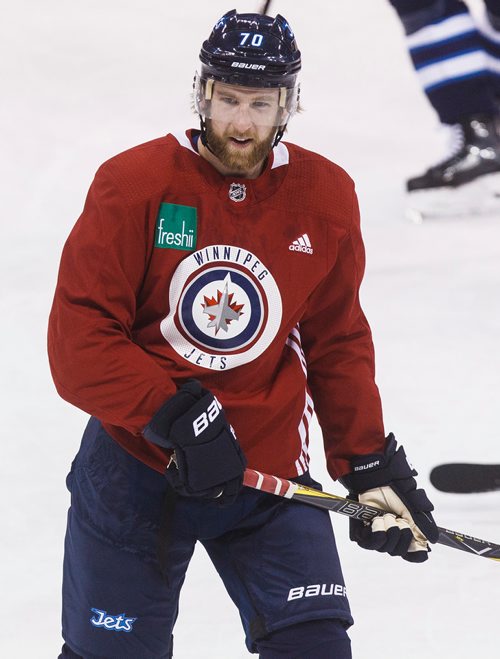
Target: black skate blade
478	198
466	478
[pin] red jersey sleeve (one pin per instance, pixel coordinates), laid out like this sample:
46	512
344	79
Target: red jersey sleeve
94	361
339	351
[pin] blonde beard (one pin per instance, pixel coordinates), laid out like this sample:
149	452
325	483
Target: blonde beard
239	163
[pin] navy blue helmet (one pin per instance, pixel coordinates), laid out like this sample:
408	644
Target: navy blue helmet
252	50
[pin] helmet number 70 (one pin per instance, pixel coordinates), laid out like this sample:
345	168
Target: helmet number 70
256	39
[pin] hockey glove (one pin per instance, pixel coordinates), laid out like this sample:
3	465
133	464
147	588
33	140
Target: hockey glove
207	461
387	481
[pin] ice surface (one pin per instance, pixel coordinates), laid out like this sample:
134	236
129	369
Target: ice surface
84	80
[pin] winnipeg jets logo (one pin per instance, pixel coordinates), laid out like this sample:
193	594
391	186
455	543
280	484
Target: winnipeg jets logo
222	310
237	191
119	623
225	308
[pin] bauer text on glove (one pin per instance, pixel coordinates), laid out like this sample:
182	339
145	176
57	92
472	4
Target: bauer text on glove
387	481
208	461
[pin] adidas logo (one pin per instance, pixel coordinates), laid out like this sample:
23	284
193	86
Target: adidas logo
301	244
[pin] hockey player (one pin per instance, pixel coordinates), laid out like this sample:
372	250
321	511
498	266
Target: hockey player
456	55
207	300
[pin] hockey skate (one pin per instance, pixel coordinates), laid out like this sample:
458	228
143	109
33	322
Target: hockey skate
467	182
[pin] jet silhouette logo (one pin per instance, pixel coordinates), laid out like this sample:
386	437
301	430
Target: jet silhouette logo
222	310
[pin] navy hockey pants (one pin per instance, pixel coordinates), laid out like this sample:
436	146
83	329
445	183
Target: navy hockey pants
278	559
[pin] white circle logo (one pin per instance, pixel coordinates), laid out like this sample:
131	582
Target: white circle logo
225	308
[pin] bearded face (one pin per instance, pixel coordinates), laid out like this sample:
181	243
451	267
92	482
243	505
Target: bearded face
239	152
241	127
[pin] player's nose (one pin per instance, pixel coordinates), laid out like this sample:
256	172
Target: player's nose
242	119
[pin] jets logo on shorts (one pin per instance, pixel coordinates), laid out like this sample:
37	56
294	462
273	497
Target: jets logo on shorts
119	623
225	308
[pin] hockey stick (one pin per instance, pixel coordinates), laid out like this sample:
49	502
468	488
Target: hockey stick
264	7
282	487
466	477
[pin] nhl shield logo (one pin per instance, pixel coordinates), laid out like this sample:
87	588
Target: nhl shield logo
237	191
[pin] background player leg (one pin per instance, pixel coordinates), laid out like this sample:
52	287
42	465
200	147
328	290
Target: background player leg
458	66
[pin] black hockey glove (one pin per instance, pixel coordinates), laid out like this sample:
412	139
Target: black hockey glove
207	460
387	481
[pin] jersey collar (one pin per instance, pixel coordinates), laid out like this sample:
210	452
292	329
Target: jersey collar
239	192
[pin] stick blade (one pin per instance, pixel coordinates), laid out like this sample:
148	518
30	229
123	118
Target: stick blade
466	478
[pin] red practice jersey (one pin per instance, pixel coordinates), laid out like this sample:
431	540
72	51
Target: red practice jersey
174	271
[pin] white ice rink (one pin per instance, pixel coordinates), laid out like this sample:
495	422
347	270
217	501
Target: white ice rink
83	80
